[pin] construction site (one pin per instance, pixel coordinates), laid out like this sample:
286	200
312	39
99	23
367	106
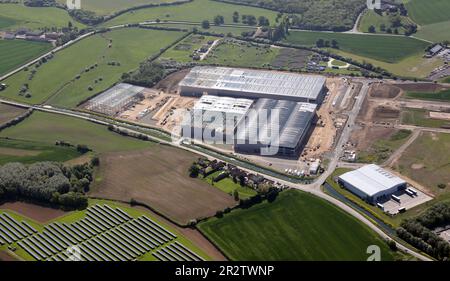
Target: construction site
164	106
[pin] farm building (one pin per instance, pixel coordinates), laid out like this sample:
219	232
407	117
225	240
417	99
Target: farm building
371	183
290	119
214	118
248	83
116	99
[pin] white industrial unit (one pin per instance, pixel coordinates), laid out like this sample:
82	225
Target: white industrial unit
372	183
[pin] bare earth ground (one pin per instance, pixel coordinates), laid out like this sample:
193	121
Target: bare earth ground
159	178
34	212
365	137
170	83
8	112
421	87
384	91
4	256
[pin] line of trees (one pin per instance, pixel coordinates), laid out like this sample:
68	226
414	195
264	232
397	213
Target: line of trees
418	232
46	183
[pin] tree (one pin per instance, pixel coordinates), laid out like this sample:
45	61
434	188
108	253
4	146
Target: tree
320	43
95	161
334	44
218	20
235	17
372	29
263	21
205	24
194	171
236	195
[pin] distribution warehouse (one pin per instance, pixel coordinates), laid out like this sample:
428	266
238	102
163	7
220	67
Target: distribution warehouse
372	183
248	83
292	121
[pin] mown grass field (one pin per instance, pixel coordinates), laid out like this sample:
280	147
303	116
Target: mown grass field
427	161
375	19
184	50
436	96
196	11
421	117
105	7
435	32
47	128
228	186
30	152
74	216
14	53
243	54
428	11
14	16
297	226
388	49
57	82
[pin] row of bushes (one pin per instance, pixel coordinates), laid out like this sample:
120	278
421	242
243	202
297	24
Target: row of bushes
16	120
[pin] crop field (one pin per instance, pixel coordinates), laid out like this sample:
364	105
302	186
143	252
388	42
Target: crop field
443	95
88	67
427	161
47	128
429	11
243	54
132	234
29	152
13	53
196	11
421	117
384	48
296	226
14	16
106	7
158	177
184	50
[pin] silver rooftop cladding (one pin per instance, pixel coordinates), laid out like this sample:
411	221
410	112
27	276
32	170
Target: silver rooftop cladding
253	83
295	119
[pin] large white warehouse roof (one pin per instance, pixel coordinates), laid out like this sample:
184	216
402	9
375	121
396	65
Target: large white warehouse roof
260	82
372	179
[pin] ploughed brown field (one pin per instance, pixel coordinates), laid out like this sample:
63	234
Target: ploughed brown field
8	112
158	177
38	213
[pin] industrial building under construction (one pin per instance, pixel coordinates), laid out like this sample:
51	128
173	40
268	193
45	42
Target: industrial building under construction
249	83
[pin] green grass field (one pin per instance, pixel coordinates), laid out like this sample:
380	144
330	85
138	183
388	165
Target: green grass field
427	161
420	117
425	12
227	185
435	32
56	80
13	16
389	49
183	51
382	149
375	19
196	11
297	226
106	7
46	128
438	96
243	54
13	53
30	152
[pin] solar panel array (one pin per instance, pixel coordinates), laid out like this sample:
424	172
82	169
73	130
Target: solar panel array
104	234
11	230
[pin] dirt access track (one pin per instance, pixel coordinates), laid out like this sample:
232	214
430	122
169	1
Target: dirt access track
158	177
35	212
